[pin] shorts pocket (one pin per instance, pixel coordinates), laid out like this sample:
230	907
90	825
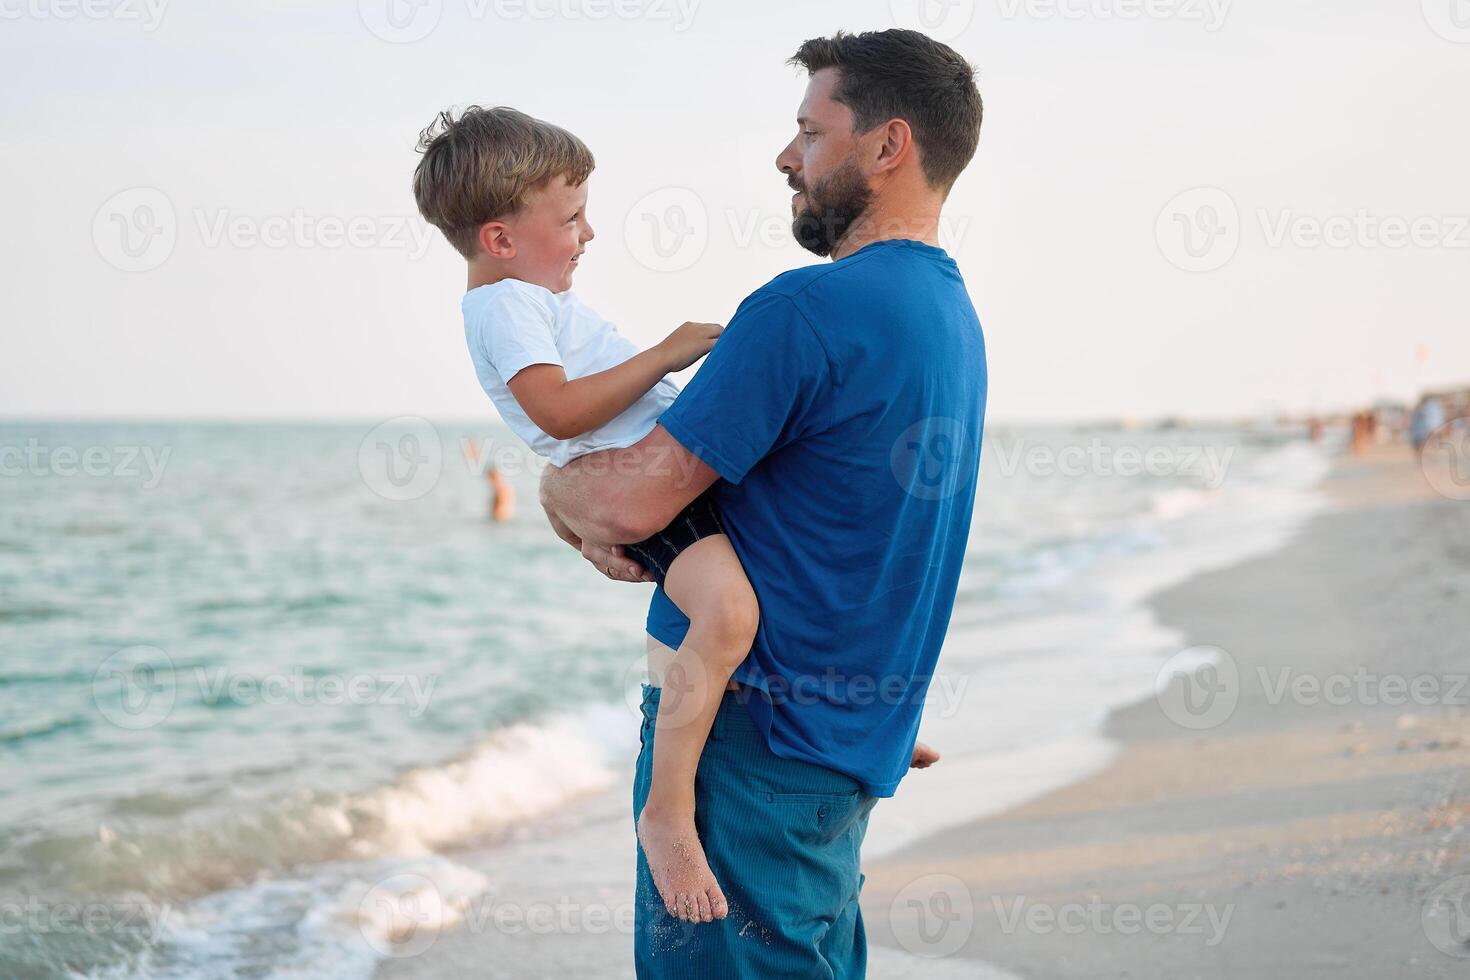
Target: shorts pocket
818	818
819	799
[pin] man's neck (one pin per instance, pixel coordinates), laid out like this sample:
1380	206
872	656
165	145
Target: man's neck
879	224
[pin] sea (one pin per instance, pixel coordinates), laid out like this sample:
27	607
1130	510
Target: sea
268	692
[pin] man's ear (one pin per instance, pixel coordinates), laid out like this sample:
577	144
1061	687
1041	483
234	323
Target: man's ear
495	240
896	145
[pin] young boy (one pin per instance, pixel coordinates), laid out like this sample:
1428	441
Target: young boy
509	193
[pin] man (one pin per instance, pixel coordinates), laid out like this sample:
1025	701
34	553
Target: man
842	410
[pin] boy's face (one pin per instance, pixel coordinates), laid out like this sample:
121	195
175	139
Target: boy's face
549	234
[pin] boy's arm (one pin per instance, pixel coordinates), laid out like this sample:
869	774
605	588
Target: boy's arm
566	409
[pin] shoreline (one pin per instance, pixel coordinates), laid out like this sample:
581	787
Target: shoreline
1300	832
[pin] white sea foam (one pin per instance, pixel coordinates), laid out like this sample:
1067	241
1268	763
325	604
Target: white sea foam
369	882
512	776
516	774
336	921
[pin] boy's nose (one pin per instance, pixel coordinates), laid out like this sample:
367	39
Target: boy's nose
587	233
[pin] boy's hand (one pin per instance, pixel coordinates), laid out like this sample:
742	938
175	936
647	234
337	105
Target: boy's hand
689	343
924	756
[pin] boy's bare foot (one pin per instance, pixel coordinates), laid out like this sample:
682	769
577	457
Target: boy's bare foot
680	871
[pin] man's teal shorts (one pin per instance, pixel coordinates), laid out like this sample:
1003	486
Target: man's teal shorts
783	838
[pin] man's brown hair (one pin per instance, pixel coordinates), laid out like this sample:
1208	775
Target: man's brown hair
480	166
899	74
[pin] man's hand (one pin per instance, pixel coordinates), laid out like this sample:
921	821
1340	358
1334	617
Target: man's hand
924	756
560	527
610	561
607	559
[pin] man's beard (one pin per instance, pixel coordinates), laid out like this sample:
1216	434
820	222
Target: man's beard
832	206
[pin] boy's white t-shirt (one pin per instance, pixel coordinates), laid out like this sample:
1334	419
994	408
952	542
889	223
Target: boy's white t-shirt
510	325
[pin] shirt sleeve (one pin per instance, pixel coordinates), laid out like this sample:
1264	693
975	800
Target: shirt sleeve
763	387
518	329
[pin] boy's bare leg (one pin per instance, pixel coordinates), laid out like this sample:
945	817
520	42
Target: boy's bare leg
707	583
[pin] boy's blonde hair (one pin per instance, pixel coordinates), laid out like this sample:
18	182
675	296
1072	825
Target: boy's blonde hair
481	165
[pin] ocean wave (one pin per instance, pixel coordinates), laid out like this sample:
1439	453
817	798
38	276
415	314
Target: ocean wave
59	678
1169	505
514	775
336	922
30	614
31	731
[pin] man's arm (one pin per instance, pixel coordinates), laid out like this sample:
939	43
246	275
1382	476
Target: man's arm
624	495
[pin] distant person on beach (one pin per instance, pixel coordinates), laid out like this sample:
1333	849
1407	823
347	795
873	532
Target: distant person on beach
1362	432
502	494
1428	416
836	427
510	193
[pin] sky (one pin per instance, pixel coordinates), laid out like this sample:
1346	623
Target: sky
1206	208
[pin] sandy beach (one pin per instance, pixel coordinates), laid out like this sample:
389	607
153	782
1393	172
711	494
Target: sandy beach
1316	828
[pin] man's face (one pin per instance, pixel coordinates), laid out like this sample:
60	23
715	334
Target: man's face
831	189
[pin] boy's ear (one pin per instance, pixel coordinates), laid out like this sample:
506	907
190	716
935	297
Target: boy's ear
494	239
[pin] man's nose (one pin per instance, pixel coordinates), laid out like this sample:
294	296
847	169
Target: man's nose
788	161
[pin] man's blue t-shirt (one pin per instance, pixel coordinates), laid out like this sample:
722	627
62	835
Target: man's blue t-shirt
843	407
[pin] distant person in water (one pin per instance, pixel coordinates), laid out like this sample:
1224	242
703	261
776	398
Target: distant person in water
502	494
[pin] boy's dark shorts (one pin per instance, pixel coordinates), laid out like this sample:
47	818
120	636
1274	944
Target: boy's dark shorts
699	520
